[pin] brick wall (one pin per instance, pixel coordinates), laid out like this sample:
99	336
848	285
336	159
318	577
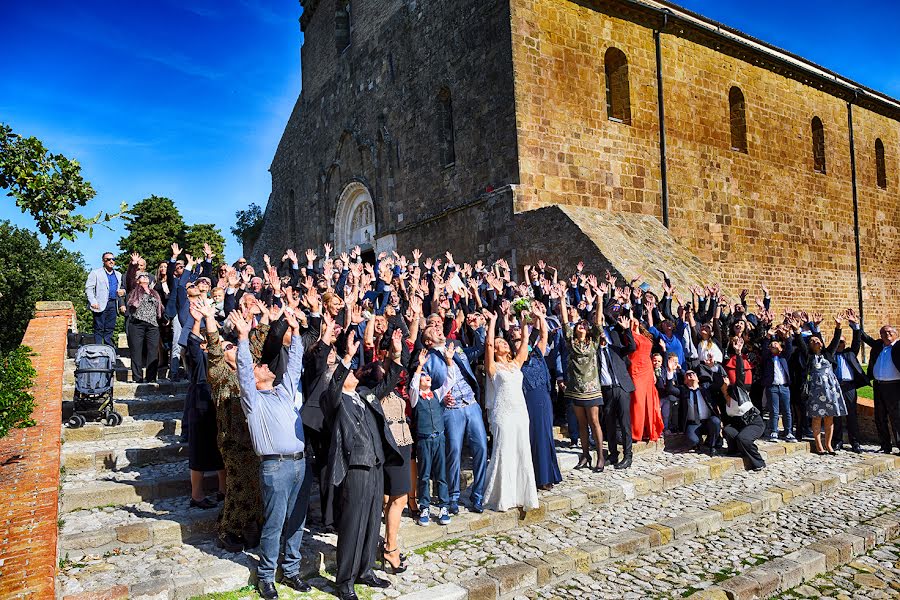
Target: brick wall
29	486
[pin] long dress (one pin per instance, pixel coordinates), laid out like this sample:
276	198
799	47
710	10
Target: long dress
510	476
646	414
825	396
536	378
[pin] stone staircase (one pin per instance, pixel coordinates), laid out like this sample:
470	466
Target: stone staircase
127	530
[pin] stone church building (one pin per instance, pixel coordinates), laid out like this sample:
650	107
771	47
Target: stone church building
634	135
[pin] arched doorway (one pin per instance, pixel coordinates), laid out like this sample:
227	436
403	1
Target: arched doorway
354	221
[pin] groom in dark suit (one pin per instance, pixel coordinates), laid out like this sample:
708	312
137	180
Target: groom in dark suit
361	444
852	377
616	385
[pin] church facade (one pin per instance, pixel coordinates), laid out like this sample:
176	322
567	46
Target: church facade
634	135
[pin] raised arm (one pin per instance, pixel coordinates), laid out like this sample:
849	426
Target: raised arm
291	379
522	352
246	379
489	366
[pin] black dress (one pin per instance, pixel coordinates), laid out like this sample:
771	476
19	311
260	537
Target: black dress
203	451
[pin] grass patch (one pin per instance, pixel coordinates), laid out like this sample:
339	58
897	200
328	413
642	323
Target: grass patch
866	392
66	563
437	546
723	575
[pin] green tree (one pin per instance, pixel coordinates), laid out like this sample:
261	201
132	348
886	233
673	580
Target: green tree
47	186
16	378
153	224
248	224
204	233
30	272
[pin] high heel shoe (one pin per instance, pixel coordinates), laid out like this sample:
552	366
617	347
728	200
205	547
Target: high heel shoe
601	464
387	567
584	462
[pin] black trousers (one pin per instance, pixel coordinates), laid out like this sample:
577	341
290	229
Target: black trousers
798	411
143	341
617	404
887	409
319	442
742	439
358	527
849	391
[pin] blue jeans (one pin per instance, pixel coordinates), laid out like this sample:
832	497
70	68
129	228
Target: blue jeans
459	423
105	323
709	427
285	497
779	398
431	456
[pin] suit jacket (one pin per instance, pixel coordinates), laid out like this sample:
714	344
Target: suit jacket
97	288
767	366
437	368
850	357
349	446
621	344
877	346
316	385
685	402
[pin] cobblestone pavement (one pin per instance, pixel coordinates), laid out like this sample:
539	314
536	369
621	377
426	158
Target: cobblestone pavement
874	576
686	566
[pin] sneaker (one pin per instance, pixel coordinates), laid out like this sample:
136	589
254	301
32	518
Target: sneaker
477	507
454	508
425	518
790	438
773	437
444	519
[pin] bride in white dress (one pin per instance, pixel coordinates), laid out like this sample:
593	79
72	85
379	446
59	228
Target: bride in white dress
510	476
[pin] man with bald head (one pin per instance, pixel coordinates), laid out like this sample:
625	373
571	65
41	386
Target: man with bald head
884	370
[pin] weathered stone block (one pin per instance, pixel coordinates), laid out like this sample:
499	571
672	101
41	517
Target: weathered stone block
732	509
560	563
577	498
710	593
533	516
681	527
482	588
869	535
582	559
627	542
133	534
847	544
707	521
673	477
812	563
740	587
789	573
514	576
832	554
767	581
445	591
544	572
597	552
556	502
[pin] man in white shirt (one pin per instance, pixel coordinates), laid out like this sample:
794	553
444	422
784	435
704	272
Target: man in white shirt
884	369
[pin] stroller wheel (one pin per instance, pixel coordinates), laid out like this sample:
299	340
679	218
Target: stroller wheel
113	419
77	421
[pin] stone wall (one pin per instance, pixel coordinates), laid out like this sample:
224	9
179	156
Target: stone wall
372	114
761	216
29	466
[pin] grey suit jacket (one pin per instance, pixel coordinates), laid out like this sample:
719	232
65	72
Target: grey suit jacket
97	288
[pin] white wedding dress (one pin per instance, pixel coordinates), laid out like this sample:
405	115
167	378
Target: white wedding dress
510	476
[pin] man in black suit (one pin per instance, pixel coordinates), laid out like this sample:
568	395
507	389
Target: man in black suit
616	385
884	370
361	444
852	377
698	414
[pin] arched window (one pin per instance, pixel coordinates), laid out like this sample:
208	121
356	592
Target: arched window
342	25
818	140
618	93
448	144
880	168
738	114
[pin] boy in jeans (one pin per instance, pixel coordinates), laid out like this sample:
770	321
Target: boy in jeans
428	411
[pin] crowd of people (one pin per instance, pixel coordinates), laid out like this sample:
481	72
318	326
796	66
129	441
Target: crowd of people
371	378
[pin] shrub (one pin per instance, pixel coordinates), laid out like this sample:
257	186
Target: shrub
16	378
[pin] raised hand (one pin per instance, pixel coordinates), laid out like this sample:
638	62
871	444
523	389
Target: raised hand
267	260
580	266
176	250
817	318
274	279
188	261
239	324
738	344
328	248
291	319
624	322
345	259
397	341
839	319
352	345
310	256
196	309
135	257
291	255
851	316
449	350
416	254
207	250
449	258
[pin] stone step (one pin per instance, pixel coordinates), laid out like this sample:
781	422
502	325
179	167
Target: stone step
474	561
120	454
617	551
121	488
758	553
143	418
128	391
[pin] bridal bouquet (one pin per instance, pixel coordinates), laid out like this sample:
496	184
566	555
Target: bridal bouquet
522	309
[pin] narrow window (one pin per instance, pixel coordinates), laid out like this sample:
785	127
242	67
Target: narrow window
880	168
448	145
618	94
738	116
818	140
342	25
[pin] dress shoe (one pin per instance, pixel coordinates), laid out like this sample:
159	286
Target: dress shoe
295	583
204	503
454	508
230	542
477	507
855	448
351	595
267	589
626	463
374	581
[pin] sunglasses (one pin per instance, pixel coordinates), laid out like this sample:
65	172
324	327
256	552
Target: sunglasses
229	347
110	259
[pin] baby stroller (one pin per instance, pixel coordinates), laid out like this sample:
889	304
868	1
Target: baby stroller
94	377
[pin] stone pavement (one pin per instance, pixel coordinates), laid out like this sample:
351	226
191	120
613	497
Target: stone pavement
127	530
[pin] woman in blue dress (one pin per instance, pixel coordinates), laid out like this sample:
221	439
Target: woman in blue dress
536	385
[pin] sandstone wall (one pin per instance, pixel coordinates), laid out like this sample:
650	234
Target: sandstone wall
764	215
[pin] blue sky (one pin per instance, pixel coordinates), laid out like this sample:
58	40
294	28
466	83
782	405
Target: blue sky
188	99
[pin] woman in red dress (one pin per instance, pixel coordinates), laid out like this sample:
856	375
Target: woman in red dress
646	415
